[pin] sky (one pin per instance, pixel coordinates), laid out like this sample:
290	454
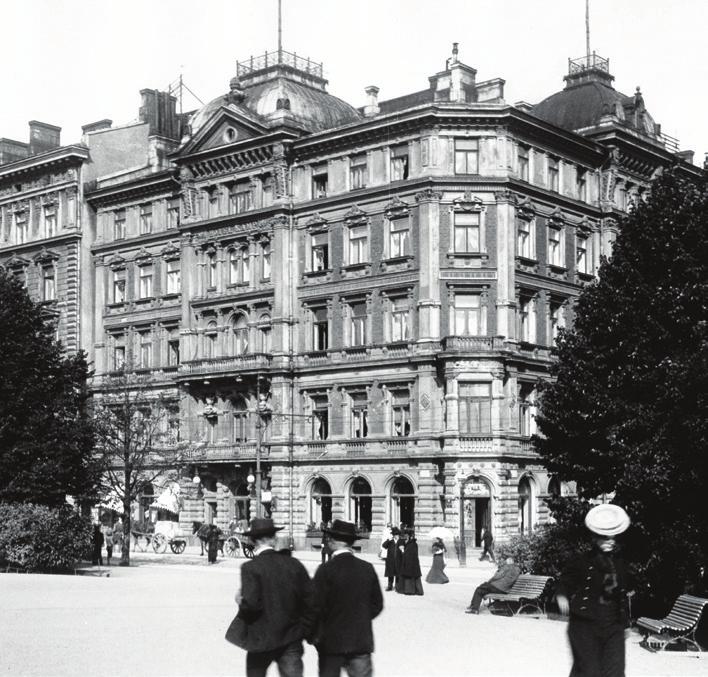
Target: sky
71	62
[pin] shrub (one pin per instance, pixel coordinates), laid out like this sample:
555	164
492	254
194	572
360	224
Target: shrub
39	538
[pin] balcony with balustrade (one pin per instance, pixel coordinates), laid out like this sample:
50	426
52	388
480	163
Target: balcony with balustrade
252	363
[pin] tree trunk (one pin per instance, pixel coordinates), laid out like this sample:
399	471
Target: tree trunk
125	549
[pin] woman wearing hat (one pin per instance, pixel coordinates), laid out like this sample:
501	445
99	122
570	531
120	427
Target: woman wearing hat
593	590
410	574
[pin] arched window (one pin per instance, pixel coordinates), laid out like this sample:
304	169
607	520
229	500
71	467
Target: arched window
210	338
320	502
240	420
402	505
554	486
525	506
265	333
240	328
245	265
360	504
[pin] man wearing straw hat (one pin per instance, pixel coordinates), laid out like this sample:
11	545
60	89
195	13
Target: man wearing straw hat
347	598
593	590
274	597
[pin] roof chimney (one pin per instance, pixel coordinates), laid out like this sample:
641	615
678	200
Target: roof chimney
159	111
43	137
97	126
372	104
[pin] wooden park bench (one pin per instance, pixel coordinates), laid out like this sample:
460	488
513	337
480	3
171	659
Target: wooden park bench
679	626
529	591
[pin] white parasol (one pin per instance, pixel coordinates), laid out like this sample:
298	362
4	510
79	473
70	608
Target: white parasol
442	532
169	500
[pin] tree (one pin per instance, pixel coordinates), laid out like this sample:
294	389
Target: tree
135	444
627	410
46	433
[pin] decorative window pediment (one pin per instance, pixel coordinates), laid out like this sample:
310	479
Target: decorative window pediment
45	256
116	262
396	209
556	218
143	257
526	210
316	223
355	217
16	262
585	225
170	251
468	203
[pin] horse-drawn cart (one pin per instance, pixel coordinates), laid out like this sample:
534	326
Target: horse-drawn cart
158	541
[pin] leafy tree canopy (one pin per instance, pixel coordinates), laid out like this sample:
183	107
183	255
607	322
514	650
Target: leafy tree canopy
46	437
627	412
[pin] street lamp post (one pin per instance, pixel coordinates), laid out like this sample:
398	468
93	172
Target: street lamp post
463	546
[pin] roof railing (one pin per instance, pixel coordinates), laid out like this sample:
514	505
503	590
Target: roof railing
671	143
275	58
588	62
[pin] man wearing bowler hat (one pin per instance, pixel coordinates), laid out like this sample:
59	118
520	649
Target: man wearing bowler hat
274	598
593	590
347	597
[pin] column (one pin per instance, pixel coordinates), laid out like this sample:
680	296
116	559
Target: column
429	248
506	264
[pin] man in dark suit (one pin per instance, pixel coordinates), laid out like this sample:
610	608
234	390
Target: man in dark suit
502	581
274	598
347	597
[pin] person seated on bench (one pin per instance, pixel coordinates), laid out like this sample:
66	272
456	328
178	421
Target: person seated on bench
593	589
502	581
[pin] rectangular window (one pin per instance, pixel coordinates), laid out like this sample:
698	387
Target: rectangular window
400	310
49	214
400	413
320	417
581	184
553	174
358	244
145	350
48	283
211	271
265	258
555	246
466	156
118	357
320	181
173	352
21	228
527	319
399	163
119	224
475	407
358	324
399	238
357	172
359	413
556	320
173	276
145	219
582	255
173	213
467	232
172	436
213	194
118	286
524	153
145	282
319	243
468	315
320	329
241	198
525	239
527	424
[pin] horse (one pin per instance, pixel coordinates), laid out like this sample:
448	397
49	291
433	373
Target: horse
201	530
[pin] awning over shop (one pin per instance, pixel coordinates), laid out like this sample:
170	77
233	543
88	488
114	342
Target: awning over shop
168	500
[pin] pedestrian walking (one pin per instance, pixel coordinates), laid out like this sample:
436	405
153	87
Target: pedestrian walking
274	597
390	546
118	536
411	576
347	597
107	531
213	543
502	581
593	589
97	542
488	545
437	570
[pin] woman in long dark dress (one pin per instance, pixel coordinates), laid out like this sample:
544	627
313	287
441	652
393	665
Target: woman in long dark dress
410	568
212	543
392	563
437	573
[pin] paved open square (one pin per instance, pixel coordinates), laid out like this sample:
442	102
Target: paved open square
167	616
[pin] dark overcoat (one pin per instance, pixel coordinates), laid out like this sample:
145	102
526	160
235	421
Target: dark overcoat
347	597
410	566
393	558
276	592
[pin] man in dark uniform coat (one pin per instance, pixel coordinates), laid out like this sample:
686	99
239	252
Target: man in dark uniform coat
347	597
392	563
274	598
593	590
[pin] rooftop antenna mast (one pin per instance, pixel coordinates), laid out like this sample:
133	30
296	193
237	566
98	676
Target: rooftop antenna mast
280	31
587	29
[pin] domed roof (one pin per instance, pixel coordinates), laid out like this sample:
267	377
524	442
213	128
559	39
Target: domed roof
590	96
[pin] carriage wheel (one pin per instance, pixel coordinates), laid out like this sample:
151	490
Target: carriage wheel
178	547
247	550
232	546
159	543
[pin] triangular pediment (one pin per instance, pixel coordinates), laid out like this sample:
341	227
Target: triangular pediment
226	127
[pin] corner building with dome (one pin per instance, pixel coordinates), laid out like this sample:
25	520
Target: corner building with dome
359	301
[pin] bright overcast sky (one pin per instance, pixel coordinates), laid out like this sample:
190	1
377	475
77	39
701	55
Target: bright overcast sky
70	62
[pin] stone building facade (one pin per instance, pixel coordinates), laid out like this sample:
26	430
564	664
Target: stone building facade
350	309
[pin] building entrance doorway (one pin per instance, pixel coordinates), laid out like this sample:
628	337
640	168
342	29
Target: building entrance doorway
477	509
360	504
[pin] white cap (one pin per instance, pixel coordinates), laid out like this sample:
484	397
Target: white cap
607	520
